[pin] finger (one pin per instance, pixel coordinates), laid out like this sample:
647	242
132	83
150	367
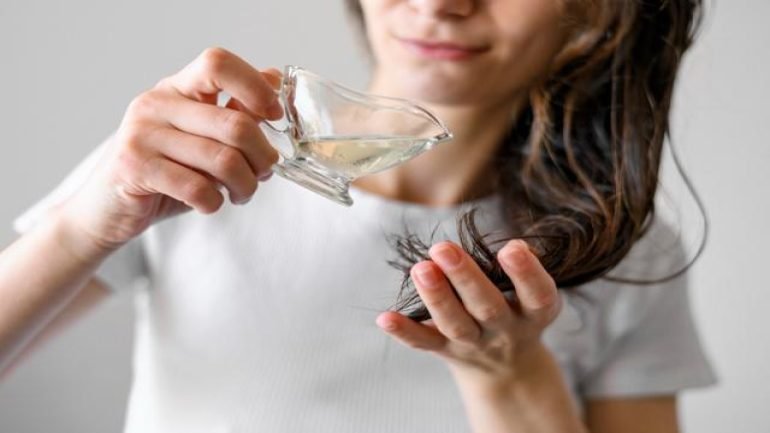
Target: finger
446	310
273	76
482	299
240	106
224	163
224	125
535	288
411	333
236	105
183	184
216	70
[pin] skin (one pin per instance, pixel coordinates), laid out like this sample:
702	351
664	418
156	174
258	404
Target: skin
174	147
509	381
516	52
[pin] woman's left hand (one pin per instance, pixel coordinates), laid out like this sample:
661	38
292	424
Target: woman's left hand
483	336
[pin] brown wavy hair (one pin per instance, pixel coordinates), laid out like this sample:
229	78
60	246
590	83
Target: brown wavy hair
578	171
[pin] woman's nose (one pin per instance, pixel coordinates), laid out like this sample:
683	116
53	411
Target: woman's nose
460	8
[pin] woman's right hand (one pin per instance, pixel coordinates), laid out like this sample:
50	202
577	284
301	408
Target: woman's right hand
175	147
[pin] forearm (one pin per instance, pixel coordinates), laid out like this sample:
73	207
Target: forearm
39	274
536	400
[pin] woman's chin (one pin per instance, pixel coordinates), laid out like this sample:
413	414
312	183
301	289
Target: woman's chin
436	89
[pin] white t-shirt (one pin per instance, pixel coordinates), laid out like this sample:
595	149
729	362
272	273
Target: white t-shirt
261	318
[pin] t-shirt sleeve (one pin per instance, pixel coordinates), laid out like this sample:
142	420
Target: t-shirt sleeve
125	269
652	346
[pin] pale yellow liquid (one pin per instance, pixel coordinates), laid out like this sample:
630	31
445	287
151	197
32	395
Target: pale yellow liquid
357	156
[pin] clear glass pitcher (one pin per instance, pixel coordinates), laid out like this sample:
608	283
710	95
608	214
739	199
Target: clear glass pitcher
337	134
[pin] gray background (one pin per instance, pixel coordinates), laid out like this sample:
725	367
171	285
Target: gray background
68	70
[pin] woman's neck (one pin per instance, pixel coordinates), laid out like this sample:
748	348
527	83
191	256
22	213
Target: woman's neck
454	171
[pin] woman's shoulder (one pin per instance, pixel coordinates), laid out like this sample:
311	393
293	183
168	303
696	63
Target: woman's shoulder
660	253
652	275
642	337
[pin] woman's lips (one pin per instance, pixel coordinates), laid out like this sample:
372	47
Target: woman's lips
441	50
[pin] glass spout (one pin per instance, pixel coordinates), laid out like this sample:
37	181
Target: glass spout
338	134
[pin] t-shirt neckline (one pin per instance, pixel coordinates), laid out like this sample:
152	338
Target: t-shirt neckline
361	196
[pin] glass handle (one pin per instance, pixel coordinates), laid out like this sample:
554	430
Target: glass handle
274	129
278	134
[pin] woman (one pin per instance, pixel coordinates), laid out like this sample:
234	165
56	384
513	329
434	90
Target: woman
259	317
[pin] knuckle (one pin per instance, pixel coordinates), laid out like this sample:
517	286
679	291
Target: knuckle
214	59
227	160
150	168
145	104
489	313
440	302
130	138
129	159
463	277
130	145
542	300
196	191
237	126
547	310
461	333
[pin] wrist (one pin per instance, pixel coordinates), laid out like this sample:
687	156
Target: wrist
80	245
531	366
533	398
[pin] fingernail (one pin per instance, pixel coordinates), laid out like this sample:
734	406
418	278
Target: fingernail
266	176
425	275
447	256
385	324
514	255
243	201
